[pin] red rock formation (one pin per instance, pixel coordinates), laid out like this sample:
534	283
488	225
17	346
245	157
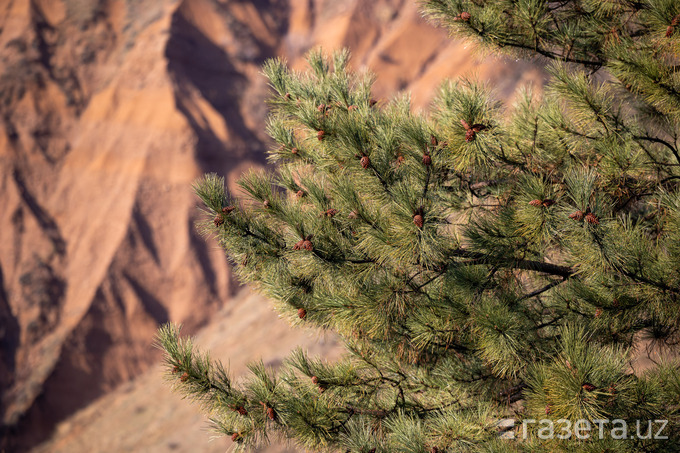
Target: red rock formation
109	109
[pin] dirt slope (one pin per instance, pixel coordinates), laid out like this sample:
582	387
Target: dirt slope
109	109
148	417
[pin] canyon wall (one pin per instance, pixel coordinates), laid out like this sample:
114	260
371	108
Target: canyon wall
109	109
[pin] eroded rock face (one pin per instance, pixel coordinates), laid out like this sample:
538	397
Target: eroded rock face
109	109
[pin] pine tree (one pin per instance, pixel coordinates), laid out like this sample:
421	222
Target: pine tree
480	262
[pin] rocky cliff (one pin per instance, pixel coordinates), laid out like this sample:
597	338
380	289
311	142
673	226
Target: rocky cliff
109	109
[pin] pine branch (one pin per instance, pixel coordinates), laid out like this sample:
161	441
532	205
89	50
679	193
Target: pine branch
530	265
673	149
429	242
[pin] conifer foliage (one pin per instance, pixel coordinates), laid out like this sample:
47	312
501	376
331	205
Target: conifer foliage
480	262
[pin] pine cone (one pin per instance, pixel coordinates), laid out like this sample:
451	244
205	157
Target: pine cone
315	380
365	162
228	209
302	313
294	150
175	369
304	244
240	409
321	107
535	203
184	377
548	409
320	135
235	437
598	312
329	213
465	16
351	108
427	160
433	140
400	160
418	220
470	131
588	387
271	414
300	193
265	203
578	215
218	220
592	219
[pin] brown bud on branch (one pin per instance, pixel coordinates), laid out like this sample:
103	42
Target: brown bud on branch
588	387
578	215
592	219
365	161
471	131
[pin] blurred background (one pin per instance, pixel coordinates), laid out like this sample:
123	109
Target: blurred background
109	109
